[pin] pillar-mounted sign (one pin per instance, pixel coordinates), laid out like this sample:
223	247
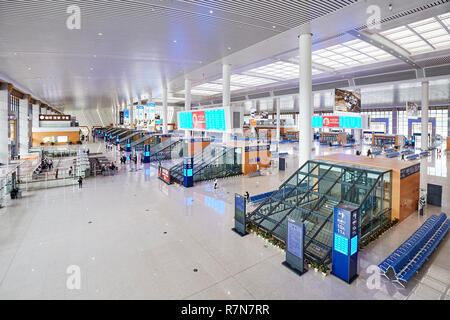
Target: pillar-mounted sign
188	172
146	153
128	145
345	242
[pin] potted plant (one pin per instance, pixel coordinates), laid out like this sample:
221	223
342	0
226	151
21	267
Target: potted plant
78	142
324	268
315	265
42	144
52	143
70	143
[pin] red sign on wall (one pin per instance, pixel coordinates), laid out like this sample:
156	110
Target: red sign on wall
331	122
199	120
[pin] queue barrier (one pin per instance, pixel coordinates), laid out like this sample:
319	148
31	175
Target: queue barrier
404	262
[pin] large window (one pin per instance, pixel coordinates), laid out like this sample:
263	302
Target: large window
374	114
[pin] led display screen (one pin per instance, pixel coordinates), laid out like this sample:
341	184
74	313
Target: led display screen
340	244
208	120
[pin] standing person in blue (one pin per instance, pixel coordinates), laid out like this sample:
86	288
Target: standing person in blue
80	182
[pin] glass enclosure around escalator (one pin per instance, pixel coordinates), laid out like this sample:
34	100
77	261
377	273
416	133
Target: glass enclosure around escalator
311	194
214	161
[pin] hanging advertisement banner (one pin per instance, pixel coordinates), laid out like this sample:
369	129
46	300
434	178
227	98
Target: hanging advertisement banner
121	118
331	122
347	101
199	120
412	109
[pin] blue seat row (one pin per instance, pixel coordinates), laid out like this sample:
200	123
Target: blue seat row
397	254
375	153
406	274
349	146
405	152
419	241
261	197
393	154
413	157
424	154
389	150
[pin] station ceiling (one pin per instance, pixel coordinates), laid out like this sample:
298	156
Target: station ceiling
126	49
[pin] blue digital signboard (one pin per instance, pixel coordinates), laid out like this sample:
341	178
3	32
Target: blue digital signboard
205	120
345	242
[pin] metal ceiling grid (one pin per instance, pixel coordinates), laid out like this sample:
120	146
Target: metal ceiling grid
291	14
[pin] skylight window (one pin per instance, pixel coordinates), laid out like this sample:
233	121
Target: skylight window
422	36
247	81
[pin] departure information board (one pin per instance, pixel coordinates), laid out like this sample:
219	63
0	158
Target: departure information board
205	120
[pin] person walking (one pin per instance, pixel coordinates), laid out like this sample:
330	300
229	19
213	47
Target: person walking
70	171
247	195
80	182
215	184
56	174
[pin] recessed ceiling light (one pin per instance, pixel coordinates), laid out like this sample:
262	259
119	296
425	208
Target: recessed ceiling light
100	34
211	12
92	69
174	41
95	56
229	48
274	27
29	68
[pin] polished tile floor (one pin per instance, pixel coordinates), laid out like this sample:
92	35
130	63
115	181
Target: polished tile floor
133	237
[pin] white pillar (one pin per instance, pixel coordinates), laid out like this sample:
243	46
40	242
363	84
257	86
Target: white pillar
425	105
4	94
35	118
24	141
278	121
226	77
305	98
131	115
187	100
226	94
165	107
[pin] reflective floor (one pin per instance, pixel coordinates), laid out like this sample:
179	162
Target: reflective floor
133	237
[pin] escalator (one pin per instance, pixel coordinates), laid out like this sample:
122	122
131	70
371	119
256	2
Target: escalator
211	163
171	148
310	196
124	140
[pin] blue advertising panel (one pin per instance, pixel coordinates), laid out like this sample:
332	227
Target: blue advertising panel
345	242
295	245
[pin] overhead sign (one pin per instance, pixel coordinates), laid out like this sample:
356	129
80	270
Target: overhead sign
121	118
343	122
205	120
347	101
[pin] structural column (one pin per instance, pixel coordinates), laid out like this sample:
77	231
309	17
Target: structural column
305	98
4	94
226	92
132	114
187	100
35	117
165	107
277	101
425	105
23	138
